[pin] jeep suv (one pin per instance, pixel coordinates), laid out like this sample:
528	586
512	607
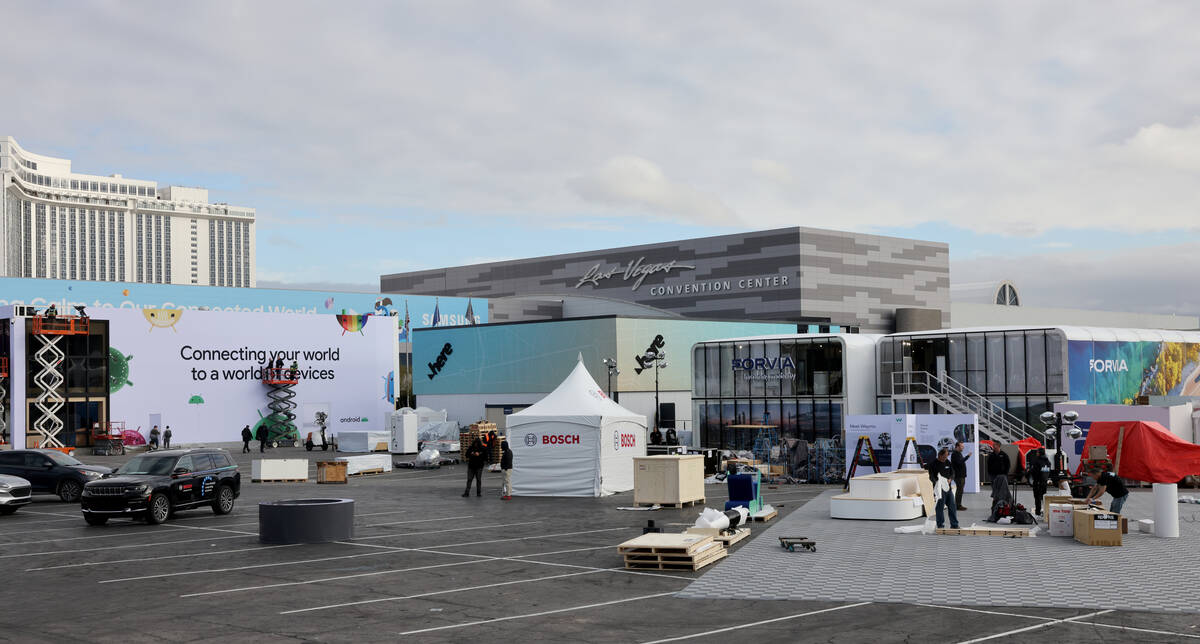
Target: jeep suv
154	485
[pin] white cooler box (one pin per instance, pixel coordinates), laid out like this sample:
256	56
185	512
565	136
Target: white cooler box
367	463
363	441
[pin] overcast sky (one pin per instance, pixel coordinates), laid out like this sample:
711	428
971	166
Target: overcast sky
1055	144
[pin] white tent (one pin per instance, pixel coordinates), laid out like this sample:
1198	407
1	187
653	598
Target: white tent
575	442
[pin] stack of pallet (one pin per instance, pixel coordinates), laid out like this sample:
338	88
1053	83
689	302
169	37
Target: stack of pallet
476	430
671	551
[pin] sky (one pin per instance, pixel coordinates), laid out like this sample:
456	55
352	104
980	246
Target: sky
1053	144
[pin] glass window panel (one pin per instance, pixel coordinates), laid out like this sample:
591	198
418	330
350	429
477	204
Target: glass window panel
886	366
1056	380
833	360
1014	353
805	424
728	417
757	407
712	424
771	384
712	370
995	363
976	363
802	384
835	421
787	385
1035	362
757	387
788	420
726	370
774	417
741	384
821	422
956	357
699	365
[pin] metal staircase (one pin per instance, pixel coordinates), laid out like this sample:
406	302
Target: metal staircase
955	398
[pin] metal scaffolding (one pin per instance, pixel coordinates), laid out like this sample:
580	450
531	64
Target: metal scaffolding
49	331
281	423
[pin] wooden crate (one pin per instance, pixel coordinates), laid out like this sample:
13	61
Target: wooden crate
671	551
675	480
331	472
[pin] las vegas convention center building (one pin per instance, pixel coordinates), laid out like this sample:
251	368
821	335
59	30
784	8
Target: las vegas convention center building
799	326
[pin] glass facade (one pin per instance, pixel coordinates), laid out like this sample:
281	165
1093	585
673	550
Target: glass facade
793	383
1022	371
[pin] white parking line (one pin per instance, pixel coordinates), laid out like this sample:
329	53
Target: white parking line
1137	630
143	559
1034	627
96	537
760	623
986	612
377	525
129	545
304	561
200	527
480	559
540	536
409	534
545	612
441	592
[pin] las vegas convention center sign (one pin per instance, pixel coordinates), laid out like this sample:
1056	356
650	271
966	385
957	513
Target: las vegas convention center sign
636	271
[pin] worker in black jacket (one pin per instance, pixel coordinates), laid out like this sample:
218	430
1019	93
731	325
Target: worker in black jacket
261	436
1037	470
960	473
941	472
998	464
506	459
476	461
247	436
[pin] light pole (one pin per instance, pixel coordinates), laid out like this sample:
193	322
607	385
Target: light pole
1058	420
659	358
611	363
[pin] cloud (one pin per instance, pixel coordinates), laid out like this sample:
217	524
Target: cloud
1159	279
635	182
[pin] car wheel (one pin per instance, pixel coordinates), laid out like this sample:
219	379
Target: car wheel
223	503
70	491
7	509
159	510
91	520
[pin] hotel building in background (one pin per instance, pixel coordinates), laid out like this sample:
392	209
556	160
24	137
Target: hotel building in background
59	224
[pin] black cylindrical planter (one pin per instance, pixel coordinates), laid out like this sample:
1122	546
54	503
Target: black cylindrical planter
305	520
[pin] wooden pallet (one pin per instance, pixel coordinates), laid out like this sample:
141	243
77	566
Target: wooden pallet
683	504
984	532
712	554
377	470
279	480
766	517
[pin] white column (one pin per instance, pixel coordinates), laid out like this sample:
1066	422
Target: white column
1166	510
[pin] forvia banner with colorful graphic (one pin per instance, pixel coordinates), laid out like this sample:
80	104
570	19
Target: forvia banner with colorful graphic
1103	372
66	294
202	372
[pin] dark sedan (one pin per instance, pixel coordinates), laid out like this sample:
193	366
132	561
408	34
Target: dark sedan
50	471
154	485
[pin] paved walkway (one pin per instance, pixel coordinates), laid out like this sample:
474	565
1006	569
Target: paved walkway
868	561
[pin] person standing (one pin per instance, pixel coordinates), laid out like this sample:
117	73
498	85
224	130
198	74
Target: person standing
959	462
506	459
247	436
998	464
167	438
476	460
261	435
1037	470
941	472
153	438
1111	483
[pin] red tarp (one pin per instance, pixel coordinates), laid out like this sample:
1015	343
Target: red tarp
1023	446
1149	453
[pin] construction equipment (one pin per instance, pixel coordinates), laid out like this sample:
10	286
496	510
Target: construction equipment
49	331
108	439
281	423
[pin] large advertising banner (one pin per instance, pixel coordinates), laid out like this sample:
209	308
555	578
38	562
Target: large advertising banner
886	433
1104	372
201	371
937	431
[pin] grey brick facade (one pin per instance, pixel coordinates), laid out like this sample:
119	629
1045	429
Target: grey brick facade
788	274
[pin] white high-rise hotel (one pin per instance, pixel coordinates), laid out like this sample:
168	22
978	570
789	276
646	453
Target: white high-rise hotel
57	224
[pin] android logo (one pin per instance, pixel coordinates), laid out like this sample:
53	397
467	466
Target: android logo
118	370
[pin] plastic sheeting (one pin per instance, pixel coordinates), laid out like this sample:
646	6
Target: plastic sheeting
1149	452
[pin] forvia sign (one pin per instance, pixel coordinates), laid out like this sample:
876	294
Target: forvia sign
655	345
435	367
637	270
777	368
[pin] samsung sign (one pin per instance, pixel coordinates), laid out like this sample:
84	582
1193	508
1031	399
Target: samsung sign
779	368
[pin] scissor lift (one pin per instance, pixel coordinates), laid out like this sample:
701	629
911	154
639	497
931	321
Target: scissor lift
281	424
49	331
3	400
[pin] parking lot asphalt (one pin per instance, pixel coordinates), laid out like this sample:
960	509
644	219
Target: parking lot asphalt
427	565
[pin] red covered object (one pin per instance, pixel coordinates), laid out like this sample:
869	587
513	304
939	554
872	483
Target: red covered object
1023	446
1149	453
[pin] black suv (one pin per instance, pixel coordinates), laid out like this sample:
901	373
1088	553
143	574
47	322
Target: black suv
50	471
154	485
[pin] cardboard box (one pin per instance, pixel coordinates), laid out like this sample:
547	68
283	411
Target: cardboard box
1054	499
1146	526
1098	452
1062	521
1097	528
